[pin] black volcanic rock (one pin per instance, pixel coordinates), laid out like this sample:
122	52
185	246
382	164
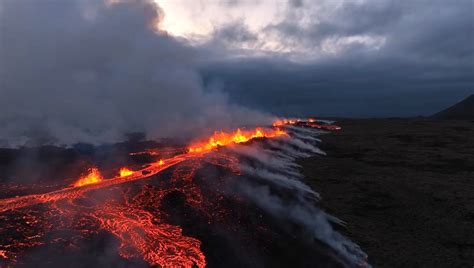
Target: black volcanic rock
461	110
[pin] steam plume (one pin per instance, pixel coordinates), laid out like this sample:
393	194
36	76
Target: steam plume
276	167
92	70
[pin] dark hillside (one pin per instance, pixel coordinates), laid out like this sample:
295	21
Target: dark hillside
461	110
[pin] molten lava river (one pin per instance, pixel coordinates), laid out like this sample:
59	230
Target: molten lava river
232	200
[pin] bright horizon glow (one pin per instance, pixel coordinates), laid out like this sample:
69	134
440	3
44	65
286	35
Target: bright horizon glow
189	19
198	21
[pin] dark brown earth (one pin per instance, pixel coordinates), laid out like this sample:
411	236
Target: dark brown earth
405	187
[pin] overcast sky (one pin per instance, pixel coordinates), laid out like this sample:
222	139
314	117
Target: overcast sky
93	70
332	57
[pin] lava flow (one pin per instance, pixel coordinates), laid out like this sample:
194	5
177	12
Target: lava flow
158	244
221	138
311	122
132	213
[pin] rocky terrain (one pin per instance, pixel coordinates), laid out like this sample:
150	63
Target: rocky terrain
405	187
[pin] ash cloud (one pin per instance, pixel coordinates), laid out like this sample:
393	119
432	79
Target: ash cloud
91	71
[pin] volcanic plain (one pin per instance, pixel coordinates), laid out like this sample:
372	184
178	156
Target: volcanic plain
405	188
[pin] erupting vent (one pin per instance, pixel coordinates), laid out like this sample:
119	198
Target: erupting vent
226	186
93	176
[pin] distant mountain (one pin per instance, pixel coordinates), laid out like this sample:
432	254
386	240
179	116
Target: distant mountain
461	110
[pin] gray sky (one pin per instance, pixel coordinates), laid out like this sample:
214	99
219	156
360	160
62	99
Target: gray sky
92	70
341	58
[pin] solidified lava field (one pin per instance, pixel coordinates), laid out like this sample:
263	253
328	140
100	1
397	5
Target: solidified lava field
235	200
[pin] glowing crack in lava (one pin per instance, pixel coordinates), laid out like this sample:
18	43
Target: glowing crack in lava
134	218
158	244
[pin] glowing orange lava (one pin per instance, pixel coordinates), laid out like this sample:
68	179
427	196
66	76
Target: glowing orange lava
92	177
311	122
124	172
157	243
221	138
283	122
135	220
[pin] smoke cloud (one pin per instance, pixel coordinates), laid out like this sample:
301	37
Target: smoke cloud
276	167
93	70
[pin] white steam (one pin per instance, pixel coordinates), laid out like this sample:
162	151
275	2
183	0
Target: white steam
277	168
92	70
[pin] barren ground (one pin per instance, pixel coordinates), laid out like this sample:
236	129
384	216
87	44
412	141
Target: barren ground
405	187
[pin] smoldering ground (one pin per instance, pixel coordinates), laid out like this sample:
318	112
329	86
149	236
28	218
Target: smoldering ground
273	183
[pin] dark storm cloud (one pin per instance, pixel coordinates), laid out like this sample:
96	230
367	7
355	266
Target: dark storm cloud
92	70
349	19
391	58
